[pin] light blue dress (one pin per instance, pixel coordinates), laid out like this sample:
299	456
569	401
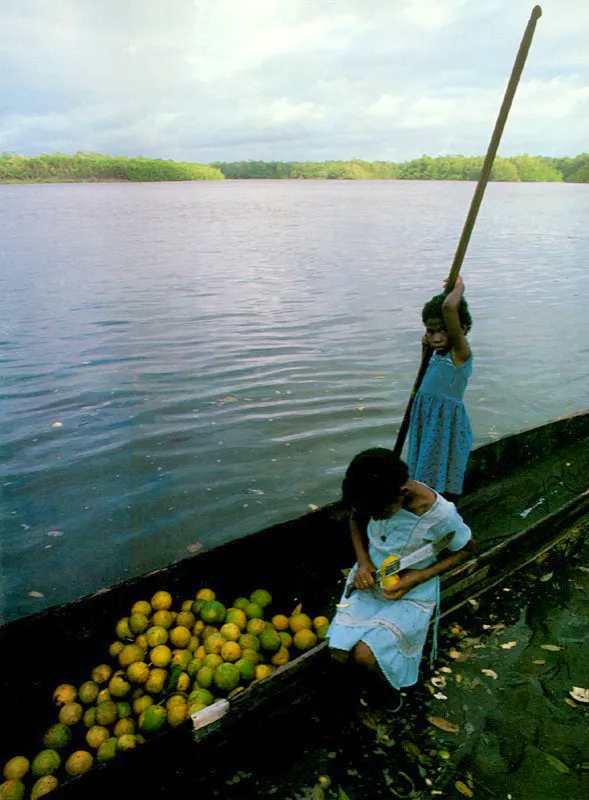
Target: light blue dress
440	435
396	630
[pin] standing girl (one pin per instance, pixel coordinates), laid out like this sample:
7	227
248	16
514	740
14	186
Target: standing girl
440	435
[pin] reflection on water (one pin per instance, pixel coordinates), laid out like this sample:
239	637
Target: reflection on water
216	353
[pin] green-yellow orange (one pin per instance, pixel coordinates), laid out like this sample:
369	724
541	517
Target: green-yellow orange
106	713
185	619
156	680
255	626
155	635
70	713
161	601
141	607
231	631
180	636
123	631
247	669
124	727
126	742
305	639
236	616
12	789
254	611
56	737
227	676
212	612
101	674
261	597
204	677
45	763
79	762
118	686
138	623
212	660
65	693
46	784
270	640
142	703
163	619
107	751
88	692
129	654
152	719
97	735
160	656
138	672
17	767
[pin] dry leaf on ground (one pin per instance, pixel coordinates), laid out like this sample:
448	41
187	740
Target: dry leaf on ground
443	724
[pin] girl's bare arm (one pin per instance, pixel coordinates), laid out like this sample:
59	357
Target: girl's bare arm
458	342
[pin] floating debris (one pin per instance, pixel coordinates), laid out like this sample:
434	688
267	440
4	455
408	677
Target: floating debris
36	594
57	425
529	510
490	673
552	647
508	645
194	548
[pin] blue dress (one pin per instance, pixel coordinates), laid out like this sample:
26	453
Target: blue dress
440	435
396	630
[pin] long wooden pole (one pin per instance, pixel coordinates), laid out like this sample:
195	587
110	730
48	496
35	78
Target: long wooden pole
516	72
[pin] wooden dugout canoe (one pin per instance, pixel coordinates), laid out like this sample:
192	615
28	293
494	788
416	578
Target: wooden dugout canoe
525	494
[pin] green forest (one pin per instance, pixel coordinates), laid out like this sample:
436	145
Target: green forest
86	167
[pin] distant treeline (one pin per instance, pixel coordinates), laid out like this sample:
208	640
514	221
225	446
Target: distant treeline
97	167
445	168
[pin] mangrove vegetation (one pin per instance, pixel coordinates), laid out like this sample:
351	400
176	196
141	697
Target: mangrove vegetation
85	167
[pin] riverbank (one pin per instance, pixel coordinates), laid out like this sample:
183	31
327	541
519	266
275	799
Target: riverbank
95	167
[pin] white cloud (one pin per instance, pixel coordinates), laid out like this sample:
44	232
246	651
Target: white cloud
289	79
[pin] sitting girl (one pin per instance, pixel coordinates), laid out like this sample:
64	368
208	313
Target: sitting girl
385	629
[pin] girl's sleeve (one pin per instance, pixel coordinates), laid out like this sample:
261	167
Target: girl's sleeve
462	533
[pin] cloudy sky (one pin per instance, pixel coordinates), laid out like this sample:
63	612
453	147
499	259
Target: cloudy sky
206	80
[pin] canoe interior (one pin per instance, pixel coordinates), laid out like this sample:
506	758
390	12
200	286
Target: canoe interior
298	561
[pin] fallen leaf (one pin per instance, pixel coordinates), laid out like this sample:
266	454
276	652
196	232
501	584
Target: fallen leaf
445	669
195	547
570	702
313	507
297	609
454	654
464	789
444	724
579	694
490	673
539	661
458	678
546	577
440	696
36	594
552	647
438	681
583	569
57	425
228	399
508	645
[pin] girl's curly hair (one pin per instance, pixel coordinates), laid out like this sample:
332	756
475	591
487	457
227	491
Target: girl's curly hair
373	480
433	310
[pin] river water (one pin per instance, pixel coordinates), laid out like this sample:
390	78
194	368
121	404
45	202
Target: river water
185	363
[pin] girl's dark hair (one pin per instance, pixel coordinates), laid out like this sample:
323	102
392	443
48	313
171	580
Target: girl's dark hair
433	310
373	480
